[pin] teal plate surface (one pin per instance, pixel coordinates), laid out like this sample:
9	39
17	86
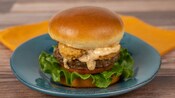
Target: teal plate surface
25	65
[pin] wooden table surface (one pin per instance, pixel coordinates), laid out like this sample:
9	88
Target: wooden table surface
160	13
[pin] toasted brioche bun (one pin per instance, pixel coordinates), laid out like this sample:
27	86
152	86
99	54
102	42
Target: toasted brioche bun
86	27
80	83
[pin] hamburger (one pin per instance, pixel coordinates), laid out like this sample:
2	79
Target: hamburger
88	53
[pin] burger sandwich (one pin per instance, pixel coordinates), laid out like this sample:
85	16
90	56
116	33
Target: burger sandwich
88	53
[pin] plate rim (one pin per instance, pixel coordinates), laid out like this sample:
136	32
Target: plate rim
55	93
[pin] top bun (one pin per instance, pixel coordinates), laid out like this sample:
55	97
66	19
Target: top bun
86	27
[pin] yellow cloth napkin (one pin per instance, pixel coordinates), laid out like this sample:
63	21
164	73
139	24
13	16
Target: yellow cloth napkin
162	40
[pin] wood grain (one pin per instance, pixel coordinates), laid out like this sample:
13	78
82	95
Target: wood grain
132	6
160	13
7	5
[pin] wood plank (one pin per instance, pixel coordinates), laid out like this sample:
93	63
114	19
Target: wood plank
17	90
5	54
157	18
6	72
4	26
166	72
6	69
12	19
134	6
7	76
8	0
168	60
170	54
2	47
6	5
169	65
56	1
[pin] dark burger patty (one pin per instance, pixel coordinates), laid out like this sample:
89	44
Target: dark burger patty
76	64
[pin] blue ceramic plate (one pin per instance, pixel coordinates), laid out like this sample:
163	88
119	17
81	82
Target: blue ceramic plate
24	63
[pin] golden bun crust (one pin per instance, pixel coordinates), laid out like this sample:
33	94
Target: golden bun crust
86	27
80	83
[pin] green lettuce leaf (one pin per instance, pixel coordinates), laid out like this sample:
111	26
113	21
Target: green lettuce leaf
101	81
123	67
127	62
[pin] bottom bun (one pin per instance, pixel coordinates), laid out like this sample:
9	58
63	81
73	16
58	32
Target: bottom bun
80	83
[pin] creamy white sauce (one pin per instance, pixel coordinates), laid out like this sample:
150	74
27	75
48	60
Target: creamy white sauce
93	55
65	63
91	63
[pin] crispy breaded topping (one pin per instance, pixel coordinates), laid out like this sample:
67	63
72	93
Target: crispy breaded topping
70	52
